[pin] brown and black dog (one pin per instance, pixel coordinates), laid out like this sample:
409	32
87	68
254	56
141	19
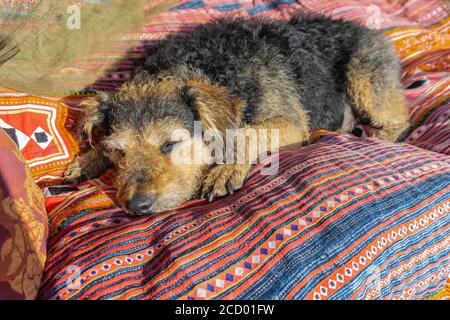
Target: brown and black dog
293	76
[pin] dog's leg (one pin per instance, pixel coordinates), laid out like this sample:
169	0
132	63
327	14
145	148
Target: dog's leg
374	90
224	179
85	166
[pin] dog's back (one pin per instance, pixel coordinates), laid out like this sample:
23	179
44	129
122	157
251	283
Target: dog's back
272	65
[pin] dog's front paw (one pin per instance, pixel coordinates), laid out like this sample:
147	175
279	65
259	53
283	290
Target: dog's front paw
88	165
74	172
224	179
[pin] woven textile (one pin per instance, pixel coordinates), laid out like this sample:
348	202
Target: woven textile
40	127
343	218
60	46
23	226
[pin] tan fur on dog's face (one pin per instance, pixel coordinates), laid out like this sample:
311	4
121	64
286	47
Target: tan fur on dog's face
138	124
143	168
146	129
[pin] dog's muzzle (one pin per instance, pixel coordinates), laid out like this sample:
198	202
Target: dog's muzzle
140	204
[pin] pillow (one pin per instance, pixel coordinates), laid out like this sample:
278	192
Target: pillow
344	218
23	226
443	294
40	127
432	119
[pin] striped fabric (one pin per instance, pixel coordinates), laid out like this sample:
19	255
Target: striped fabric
434	131
344	218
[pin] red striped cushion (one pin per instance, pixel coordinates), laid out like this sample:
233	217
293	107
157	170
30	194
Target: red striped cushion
343	218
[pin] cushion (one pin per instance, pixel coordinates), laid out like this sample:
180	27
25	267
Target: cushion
23	226
40	127
443	294
344	218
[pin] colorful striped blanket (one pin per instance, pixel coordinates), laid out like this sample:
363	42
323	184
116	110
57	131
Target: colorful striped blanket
344	218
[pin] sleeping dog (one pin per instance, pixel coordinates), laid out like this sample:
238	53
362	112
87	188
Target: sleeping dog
294	76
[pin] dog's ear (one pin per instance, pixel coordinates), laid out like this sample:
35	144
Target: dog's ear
95	110
215	106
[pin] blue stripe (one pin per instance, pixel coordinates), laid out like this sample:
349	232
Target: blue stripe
194	4
268	6
228	7
392	252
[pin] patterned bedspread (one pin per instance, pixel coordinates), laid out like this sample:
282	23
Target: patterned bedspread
344	218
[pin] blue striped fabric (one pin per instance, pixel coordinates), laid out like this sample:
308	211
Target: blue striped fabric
344	218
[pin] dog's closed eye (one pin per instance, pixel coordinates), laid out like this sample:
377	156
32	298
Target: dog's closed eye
168	146
115	154
119	152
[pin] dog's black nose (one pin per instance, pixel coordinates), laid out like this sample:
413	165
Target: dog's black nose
140	204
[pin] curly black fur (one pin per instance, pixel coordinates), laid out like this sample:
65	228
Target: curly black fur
315	50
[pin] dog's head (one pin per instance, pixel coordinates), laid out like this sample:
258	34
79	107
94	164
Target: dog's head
147	130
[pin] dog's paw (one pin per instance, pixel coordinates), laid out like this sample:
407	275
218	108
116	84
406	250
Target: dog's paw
88	165
224	179
74	172
393	134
